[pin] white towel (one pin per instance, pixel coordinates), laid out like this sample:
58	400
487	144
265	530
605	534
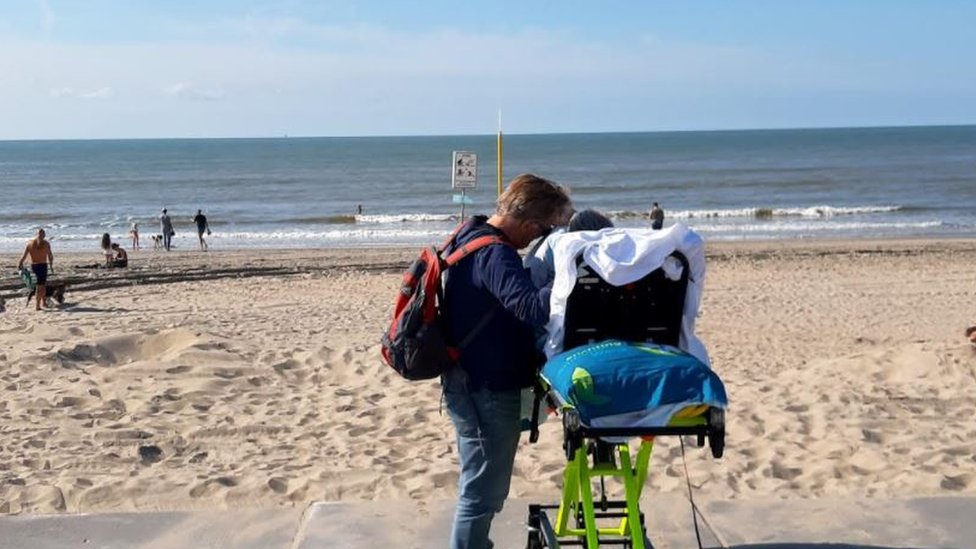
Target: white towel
622	256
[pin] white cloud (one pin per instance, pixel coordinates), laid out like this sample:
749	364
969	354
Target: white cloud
190	91
62	92
100	93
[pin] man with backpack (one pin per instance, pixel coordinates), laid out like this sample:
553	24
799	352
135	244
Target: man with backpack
491	305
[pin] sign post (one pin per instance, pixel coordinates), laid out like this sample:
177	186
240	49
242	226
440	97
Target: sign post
498	152
464	176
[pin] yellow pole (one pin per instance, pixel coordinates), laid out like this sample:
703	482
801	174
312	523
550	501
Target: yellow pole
500	153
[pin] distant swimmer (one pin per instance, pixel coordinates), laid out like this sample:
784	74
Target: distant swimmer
657	217
359	209
42	260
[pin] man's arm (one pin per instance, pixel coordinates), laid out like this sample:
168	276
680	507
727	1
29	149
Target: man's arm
50	258
502	274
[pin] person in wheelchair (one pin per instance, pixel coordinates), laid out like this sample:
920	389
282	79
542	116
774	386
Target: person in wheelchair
539	260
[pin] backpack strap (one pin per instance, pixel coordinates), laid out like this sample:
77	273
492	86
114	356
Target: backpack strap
460	253
454	234
468	248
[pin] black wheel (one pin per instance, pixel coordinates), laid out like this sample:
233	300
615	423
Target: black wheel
535	540
716	435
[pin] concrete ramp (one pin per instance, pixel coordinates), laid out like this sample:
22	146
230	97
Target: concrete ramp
920	523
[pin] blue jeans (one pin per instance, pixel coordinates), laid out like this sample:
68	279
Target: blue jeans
487	426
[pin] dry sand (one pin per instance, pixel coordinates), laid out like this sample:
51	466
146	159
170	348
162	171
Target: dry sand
253	379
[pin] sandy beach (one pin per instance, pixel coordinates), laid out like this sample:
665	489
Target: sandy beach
253	379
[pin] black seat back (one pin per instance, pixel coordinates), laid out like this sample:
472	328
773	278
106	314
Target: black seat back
649	309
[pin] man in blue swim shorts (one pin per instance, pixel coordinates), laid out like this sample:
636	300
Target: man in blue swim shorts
42	259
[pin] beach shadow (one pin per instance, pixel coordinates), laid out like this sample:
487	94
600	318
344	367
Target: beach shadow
72	308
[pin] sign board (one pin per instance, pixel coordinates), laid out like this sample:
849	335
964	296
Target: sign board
464	170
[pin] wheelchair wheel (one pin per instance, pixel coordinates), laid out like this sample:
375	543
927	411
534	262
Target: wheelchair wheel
716	435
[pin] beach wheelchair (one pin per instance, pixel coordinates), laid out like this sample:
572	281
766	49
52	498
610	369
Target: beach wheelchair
622	375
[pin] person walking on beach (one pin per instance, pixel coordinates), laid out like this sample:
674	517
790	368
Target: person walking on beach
166	227
202	227
657	217
42	261
482	394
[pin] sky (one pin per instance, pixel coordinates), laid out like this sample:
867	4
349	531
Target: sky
93	69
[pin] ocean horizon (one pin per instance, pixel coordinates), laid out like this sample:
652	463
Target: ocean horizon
764	184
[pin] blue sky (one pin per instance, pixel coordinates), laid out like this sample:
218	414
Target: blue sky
115	69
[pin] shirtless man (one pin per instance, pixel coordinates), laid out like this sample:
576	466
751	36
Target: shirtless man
42	259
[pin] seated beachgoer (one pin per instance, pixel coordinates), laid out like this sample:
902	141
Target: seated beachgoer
971	334
120	259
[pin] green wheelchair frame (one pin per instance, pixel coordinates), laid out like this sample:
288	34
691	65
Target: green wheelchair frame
589	458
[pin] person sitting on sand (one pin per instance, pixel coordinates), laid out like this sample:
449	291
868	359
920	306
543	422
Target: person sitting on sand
107	249
971	334
121	259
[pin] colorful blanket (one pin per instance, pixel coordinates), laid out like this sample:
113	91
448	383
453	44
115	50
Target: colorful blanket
619	384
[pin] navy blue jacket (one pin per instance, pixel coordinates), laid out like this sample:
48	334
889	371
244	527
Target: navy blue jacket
503	355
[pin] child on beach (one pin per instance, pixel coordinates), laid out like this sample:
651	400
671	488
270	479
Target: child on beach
107	249
134	233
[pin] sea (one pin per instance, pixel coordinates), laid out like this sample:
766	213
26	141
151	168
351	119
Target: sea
287	192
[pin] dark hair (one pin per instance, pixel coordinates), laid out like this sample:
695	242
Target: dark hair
589	220
106	241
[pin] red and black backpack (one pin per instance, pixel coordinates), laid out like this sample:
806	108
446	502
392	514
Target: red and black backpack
416	345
